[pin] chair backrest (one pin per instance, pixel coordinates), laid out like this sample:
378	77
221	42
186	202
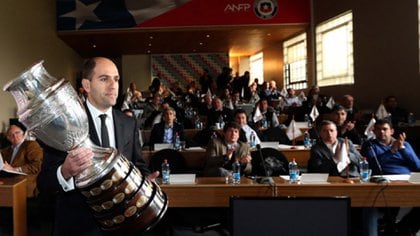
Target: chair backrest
175	159
274	160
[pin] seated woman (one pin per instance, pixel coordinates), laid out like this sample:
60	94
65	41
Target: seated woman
167	130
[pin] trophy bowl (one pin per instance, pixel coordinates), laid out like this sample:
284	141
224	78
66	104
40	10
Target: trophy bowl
112	185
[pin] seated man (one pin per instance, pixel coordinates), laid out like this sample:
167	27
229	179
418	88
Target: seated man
221	153
292	100
218	114
398	114
167	129
394	156
325	158
267	113
345	128
23	156
246	131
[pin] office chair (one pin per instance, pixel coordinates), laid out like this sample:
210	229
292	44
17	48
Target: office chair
175	159
274	160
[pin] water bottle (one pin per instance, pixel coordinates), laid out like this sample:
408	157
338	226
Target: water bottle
306	140
197	123
253	142
177	142
411	119
307	119
264	122
166	172
364	170
293	171
236	172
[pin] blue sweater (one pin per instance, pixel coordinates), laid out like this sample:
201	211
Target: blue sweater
403	161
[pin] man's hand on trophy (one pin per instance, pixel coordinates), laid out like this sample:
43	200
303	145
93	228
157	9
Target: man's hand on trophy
76	161
153	176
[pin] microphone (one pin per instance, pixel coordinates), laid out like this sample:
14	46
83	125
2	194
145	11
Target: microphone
381	178
267	178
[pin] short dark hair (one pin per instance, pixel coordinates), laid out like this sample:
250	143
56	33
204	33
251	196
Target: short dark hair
324	123
339	108
88	67
239	111
231	124
383	122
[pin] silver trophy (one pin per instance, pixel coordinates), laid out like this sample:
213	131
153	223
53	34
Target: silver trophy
119	195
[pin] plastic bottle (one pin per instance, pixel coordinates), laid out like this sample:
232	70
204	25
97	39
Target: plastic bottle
197	123
411	119
213	135
253	142
364	170
166	172
264	122
177	142
293	171
307	119
236	172
306	140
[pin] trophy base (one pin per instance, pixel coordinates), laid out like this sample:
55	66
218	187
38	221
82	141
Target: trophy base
121	198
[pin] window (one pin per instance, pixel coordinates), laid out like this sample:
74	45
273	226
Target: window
334	51
257	69
294	56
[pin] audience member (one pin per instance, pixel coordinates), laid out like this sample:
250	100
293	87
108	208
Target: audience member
223	79
206	82
398	114
167	129
251	94
273	92
246	130
23	156
345	128
268	113
131	96
389	155
151	110
353	113
219	114
205	106
324	157
73	217
291	100
221	153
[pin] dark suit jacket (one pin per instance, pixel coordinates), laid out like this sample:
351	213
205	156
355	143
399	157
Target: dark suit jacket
158	131
73	216
321	160
28	158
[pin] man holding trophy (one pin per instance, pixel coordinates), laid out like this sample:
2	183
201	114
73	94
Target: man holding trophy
67	172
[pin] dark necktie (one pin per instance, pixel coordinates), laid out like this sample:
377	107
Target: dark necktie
104	131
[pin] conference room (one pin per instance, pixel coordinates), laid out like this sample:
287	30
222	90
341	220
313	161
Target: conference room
369	50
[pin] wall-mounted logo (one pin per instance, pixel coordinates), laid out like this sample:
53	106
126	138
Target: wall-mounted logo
265	9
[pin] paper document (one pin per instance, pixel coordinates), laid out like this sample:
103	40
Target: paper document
414	178
8	171
182	179
314	178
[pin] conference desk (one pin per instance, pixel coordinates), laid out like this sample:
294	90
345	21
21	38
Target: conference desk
196	157
214	192
13	194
